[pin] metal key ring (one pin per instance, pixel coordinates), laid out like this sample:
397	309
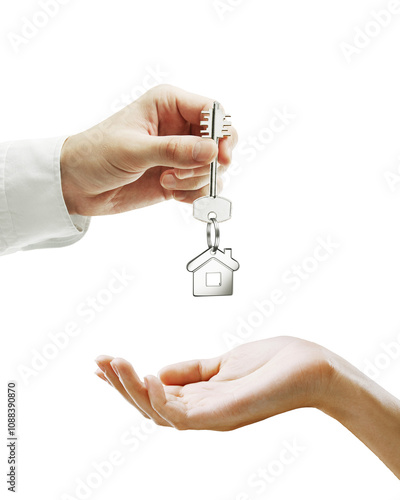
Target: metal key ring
214	246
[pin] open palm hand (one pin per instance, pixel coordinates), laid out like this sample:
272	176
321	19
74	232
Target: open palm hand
247	384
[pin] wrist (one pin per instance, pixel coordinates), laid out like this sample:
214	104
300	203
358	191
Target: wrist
355	400
365	409
344	385
68	185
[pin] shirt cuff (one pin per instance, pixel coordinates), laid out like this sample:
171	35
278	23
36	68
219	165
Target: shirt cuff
33	213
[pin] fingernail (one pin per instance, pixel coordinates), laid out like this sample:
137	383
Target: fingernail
146	383
98	363
203	150
115	369
169	181
179	195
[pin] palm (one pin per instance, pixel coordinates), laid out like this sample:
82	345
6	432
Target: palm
245	385
144	191
283	371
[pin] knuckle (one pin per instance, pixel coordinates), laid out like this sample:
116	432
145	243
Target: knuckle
171	149
163	87
200	369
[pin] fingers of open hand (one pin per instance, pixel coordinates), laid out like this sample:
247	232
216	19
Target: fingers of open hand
101	375
106	373
136	389
167	406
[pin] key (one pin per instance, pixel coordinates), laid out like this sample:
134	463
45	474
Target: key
213	269
213	206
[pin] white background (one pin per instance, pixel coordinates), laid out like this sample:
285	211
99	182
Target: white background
323	175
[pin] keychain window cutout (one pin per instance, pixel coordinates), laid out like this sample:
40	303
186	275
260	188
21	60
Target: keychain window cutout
213	279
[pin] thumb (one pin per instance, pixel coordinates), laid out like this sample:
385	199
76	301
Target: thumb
190	372
180	151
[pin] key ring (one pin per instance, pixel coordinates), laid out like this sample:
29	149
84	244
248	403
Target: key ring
213	246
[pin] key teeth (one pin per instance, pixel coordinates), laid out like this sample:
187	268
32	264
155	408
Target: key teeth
221	123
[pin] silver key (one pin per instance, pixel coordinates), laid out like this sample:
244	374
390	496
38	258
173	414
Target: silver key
213	206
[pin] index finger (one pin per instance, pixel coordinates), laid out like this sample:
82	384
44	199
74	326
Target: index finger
188	104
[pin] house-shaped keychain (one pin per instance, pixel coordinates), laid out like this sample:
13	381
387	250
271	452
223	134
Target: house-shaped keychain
213	272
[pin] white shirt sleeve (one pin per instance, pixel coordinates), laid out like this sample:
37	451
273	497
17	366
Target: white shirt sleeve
33	213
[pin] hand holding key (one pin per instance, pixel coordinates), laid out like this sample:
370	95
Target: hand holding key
148	152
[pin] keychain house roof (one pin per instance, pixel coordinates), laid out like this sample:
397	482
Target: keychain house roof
213	273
